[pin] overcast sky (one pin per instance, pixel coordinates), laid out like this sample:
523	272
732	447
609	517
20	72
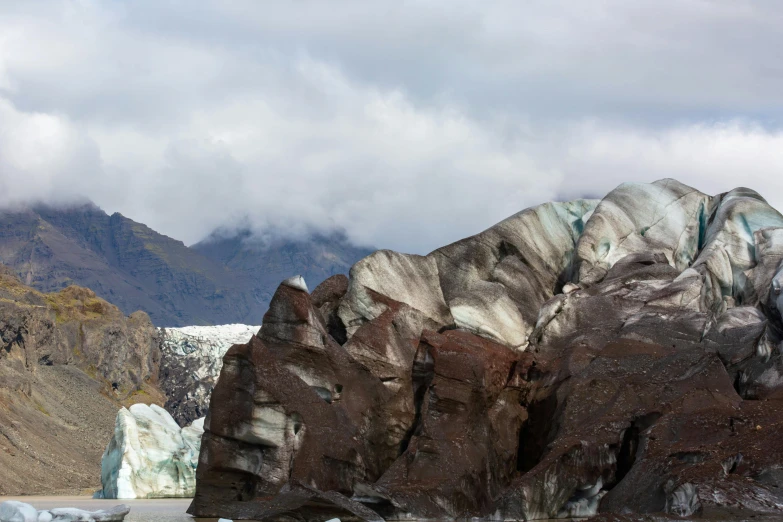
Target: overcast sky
407	124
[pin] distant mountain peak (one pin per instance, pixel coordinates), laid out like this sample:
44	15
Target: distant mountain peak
227	278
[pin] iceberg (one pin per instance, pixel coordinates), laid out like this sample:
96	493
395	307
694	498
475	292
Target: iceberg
150	456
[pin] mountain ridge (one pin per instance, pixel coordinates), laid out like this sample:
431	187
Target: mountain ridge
137	268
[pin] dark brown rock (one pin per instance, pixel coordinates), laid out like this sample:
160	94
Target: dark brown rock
295	406
464	448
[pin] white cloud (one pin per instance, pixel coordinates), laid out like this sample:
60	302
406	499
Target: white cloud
407	128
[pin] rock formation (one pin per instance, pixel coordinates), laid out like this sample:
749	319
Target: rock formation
13	511
618	357
150	456
68	361
191	358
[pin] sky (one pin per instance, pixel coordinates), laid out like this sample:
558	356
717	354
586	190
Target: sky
405	124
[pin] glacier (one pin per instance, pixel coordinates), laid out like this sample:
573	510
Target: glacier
622	356
191	359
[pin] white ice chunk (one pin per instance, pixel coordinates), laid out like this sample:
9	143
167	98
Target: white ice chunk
297	282
13	511
150	456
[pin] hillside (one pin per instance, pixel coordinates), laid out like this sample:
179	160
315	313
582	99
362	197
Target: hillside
68	361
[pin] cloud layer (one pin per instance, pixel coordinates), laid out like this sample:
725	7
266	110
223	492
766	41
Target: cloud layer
408	125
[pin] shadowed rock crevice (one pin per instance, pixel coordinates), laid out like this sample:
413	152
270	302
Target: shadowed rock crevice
631	444
536	432
422	375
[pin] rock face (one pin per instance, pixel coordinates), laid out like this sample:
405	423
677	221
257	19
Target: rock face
191	358
150	456
619	357
68	361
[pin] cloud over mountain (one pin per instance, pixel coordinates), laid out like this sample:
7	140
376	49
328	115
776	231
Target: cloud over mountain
375	118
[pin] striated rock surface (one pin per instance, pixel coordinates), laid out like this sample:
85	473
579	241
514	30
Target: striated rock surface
68	361
150	456
620	357
191	358
491	284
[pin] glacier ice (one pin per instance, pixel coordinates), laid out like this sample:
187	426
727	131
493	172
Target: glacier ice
150	456
192	357
13	511
482	283
664	217
297	282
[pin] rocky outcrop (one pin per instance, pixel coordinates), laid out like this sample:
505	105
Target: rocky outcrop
13	511
150	456
619	357
191	358
68	361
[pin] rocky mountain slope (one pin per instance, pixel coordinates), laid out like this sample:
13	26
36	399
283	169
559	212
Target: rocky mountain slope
226	280
618	357
68	361
191	359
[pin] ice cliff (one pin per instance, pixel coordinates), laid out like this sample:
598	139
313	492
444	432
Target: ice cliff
150	456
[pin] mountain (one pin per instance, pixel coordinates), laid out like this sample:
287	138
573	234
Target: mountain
136	268
620	358
264	265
